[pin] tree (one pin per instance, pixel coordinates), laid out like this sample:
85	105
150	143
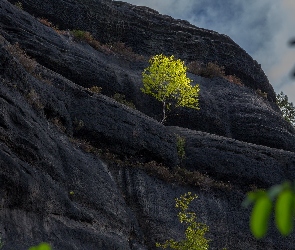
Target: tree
286	107
195	231
165	79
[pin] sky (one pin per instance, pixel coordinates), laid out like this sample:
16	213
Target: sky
263	28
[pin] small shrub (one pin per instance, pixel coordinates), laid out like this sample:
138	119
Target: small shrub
209	71
78	124
28	63
262	94
82	35
34	99
121	49
58	123
95	89
195	67
45	22
180	143
86	36
121	98
195	231
50	24
19	5
234	79
105	48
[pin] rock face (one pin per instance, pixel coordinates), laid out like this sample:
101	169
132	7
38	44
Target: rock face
82	171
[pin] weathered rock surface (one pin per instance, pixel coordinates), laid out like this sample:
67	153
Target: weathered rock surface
237	112
224	107
74	164
149	33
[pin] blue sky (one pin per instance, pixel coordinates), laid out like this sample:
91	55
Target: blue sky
262	27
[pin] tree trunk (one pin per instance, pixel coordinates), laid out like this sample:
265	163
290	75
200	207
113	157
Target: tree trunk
164	112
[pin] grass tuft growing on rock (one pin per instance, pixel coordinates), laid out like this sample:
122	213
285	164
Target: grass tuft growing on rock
121	99
19	5
95	89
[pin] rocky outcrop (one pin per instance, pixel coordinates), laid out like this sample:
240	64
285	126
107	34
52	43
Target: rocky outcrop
150	33
224	106
237	112
82	171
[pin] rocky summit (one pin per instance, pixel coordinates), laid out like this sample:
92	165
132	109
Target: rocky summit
85	162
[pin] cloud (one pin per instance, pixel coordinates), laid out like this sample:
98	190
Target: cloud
263	28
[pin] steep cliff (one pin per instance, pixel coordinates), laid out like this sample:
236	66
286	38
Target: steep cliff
82	171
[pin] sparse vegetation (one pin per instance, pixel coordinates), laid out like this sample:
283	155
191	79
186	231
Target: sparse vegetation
49	24
165	79
234	79
95	89
34	99
211	70
262	94
195	231
80	35
180	143
125	51
1	242
121	99
58	123
19	5
286	107
178	175
28	63
78	124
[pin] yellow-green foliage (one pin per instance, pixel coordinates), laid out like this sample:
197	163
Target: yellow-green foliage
165	79
42	246
180	143
19	5
195	231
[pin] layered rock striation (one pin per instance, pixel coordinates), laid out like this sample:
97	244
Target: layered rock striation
82	171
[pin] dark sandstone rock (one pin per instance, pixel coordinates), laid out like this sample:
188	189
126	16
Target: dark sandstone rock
231	160
40	166
236	112
150	33
224	107
52	190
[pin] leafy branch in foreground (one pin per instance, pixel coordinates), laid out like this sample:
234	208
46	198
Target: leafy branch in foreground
282	199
